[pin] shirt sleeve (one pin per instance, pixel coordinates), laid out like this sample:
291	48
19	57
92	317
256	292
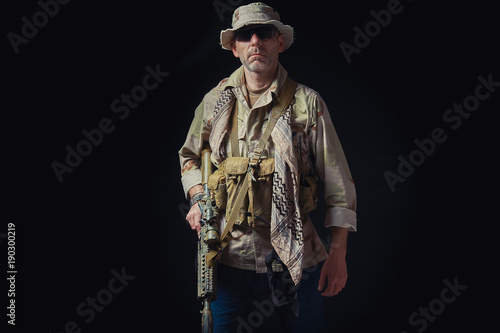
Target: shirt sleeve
190	152
331	166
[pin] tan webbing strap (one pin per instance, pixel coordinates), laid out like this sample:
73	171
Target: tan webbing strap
283	101
235	145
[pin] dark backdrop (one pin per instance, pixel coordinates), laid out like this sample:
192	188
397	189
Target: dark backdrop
121	209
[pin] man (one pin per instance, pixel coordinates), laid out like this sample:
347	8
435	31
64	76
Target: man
302	144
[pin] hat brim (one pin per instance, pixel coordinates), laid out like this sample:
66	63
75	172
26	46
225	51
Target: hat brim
226	36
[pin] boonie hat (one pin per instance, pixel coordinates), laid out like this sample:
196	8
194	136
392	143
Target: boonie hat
252	14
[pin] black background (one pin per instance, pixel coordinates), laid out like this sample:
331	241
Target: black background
123	206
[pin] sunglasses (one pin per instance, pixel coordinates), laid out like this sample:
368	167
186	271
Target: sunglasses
262	31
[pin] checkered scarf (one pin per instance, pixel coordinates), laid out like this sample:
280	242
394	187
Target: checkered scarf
286	224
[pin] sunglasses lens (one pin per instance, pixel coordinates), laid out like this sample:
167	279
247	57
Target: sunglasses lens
263	32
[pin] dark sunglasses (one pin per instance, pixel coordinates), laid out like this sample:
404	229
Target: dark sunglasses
262	31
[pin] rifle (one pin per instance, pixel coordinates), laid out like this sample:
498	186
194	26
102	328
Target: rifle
208	241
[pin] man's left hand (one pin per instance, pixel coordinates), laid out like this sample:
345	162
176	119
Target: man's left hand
334	271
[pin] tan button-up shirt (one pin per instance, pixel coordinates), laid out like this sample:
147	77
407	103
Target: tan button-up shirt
317	149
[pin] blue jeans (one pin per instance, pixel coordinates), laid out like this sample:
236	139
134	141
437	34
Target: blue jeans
244	304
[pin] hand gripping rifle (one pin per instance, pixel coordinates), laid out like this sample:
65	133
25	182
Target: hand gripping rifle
208	245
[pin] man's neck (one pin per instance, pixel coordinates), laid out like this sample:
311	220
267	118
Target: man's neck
259	80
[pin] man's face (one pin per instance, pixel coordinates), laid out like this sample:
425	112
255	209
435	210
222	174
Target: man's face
258	48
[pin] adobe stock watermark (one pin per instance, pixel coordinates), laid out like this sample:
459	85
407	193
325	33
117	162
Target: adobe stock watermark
420	319
265	308
223	6
362	38
121	107
30	27
453	117
89	308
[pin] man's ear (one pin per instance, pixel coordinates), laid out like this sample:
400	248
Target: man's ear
233	48
281	40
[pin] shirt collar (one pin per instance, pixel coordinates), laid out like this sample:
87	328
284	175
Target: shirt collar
236	80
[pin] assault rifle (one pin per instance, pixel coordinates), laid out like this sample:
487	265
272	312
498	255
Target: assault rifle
208	243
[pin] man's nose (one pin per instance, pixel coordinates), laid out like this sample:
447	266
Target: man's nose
255	40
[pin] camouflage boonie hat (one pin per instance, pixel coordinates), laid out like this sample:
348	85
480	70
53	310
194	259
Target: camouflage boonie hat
252	14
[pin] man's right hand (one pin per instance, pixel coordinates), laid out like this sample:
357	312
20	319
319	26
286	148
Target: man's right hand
194	217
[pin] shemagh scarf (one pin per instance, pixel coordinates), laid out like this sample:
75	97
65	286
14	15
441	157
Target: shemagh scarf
286	223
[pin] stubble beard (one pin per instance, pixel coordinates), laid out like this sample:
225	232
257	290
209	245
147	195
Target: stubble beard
257	65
